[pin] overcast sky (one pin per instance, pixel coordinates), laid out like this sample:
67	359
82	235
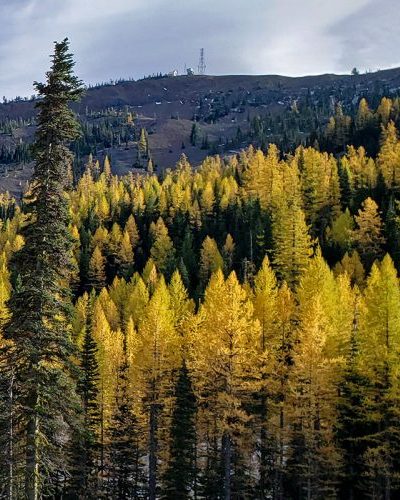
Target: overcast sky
132	38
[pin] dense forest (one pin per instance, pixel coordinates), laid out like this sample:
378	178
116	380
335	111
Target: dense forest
230	331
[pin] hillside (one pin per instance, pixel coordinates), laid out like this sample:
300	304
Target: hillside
223	107
229	329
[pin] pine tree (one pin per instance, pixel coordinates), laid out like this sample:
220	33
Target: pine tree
41	349
340	232
180	472
392	230
150	166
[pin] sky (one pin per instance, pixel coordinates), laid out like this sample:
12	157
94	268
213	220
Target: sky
132	38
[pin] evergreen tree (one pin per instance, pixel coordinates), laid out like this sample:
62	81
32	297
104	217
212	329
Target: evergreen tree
86	449
354	425
143	144
179	478
40	346
126	455
194	134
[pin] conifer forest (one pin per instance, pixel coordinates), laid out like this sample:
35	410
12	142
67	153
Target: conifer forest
227	330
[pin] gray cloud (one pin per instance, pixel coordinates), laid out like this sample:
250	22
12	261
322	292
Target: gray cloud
137	37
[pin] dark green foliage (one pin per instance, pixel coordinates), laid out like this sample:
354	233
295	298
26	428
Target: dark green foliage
353	432
128	478
194	134
180	475
392	230
40	348
86	446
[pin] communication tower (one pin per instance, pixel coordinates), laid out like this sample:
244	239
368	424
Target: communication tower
202	64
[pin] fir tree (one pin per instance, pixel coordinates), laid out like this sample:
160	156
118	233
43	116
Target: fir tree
41	349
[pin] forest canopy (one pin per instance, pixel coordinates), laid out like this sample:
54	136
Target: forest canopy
225	331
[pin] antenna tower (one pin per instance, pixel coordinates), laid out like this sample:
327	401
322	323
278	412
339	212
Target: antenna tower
201	69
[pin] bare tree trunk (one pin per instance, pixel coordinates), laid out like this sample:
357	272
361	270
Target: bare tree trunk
31	463
195	486
387	487
227	460
100	480
11	439
263	445
153	452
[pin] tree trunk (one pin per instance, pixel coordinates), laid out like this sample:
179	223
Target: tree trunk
11	440
227	460
153	452
263	443
32	465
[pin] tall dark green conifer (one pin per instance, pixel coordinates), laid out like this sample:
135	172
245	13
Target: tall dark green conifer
128	477
86	445
40	347
181	470
354	426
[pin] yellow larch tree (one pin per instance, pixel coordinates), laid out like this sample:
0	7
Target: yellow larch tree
223	362
314	459
157	356
380	351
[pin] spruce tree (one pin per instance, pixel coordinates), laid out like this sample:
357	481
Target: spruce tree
181	469
40	348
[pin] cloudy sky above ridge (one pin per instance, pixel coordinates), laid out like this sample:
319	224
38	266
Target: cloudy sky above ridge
132	38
